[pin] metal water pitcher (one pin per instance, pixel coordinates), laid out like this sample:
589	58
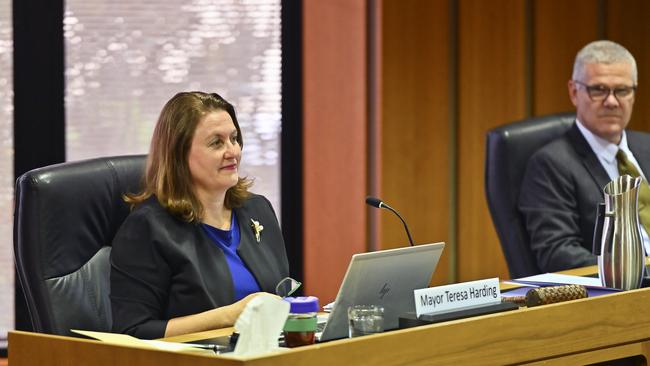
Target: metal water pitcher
621	263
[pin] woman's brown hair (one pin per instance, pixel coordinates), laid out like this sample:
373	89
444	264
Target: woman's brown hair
167	174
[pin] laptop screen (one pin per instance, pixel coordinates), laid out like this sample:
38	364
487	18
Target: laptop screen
387	278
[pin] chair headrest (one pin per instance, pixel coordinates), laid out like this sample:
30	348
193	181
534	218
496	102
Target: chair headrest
508	149
67	212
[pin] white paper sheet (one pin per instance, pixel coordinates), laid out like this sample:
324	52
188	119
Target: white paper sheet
557	279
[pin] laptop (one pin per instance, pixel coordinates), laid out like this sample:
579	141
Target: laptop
386	278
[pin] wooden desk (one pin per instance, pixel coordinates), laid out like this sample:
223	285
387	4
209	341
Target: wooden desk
576	332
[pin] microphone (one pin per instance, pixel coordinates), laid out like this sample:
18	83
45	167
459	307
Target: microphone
376	202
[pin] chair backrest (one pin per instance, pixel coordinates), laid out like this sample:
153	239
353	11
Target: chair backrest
66	216
508	150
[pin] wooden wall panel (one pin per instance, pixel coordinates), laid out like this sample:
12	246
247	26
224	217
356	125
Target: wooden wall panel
443	79
415	144
491	91
334	140
561	29
627	23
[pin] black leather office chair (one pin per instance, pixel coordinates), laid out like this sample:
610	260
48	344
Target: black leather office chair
508	150
65	218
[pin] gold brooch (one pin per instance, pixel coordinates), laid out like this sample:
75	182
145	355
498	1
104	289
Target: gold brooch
257	229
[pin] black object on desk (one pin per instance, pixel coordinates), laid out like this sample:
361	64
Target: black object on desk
223	344
409	319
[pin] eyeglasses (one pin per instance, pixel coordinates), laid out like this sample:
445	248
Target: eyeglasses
287	286
598	93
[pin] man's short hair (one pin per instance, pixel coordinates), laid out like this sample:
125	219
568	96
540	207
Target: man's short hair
603	52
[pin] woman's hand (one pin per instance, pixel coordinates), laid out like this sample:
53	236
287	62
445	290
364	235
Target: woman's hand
221	317
239	306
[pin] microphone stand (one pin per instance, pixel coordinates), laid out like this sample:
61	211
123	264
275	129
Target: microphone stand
376	202
408	233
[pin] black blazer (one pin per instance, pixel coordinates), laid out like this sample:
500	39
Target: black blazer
163	267
561	188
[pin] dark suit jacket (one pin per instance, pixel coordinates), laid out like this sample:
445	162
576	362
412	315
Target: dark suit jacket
562	186
163	267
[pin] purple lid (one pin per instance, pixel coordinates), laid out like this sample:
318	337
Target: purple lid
302	304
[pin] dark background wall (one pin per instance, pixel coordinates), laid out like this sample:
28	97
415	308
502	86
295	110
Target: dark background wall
39	116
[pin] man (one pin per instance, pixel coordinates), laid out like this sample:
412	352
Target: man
563	181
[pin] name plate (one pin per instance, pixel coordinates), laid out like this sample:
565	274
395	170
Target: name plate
458	296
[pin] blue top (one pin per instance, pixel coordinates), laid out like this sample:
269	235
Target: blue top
228	241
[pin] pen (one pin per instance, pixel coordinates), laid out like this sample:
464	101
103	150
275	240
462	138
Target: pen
519	300
212	347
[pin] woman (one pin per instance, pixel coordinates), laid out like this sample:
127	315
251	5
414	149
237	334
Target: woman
197	245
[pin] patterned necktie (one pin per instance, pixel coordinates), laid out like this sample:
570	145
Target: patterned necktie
626	167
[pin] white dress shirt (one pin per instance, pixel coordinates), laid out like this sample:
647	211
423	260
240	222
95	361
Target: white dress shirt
606	153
